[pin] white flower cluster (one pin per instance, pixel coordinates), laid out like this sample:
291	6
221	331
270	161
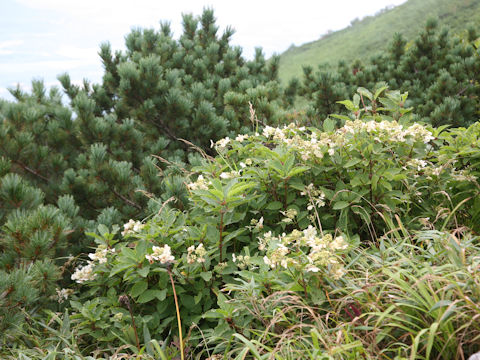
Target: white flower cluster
162	254
200	184
241	138
132	227
313	147
463	175
242	261
258	224
304	249
388	130
221	144
264	240
84	273
229	175
276	133
290	215
63	294
100	254
278	257
316	196
196	254
433	171
417	163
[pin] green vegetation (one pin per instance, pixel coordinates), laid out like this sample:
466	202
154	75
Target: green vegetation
438	70
184	208
65	170
371	35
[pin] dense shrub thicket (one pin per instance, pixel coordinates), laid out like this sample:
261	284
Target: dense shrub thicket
268	217
248	232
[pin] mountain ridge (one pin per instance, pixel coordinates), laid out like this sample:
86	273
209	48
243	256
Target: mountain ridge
366	37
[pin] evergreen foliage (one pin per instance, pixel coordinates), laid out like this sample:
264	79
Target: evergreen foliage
104	148
33	237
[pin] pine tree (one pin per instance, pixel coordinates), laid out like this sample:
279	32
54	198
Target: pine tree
33	240
107	146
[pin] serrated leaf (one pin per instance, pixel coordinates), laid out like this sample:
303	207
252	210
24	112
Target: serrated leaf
233	234
348	104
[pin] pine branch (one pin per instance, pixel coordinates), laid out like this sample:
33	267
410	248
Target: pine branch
34	172
161	125
128	201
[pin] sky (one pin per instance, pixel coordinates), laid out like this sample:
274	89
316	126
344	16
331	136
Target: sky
40	39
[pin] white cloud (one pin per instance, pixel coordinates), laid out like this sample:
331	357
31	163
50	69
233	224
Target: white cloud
39	67
72	52
10	43
274	25
5	46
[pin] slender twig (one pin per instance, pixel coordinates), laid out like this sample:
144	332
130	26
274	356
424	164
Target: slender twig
124	300
32	171
178	314
221	235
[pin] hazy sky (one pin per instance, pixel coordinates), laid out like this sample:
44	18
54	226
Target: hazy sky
43	38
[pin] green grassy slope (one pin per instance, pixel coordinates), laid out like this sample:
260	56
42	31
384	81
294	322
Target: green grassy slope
372	34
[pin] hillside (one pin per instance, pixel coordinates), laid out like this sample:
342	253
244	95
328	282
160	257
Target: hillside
373	33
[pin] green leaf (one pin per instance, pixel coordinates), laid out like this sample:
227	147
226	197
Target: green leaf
161	294
144	271
147	296
102	229
329	124
198	298
375	179
348	104
297	170
138	288
240	188
379	91
352	162
364	92
206	275
275	205
341	117
339	205
234	234
120	267
440	303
